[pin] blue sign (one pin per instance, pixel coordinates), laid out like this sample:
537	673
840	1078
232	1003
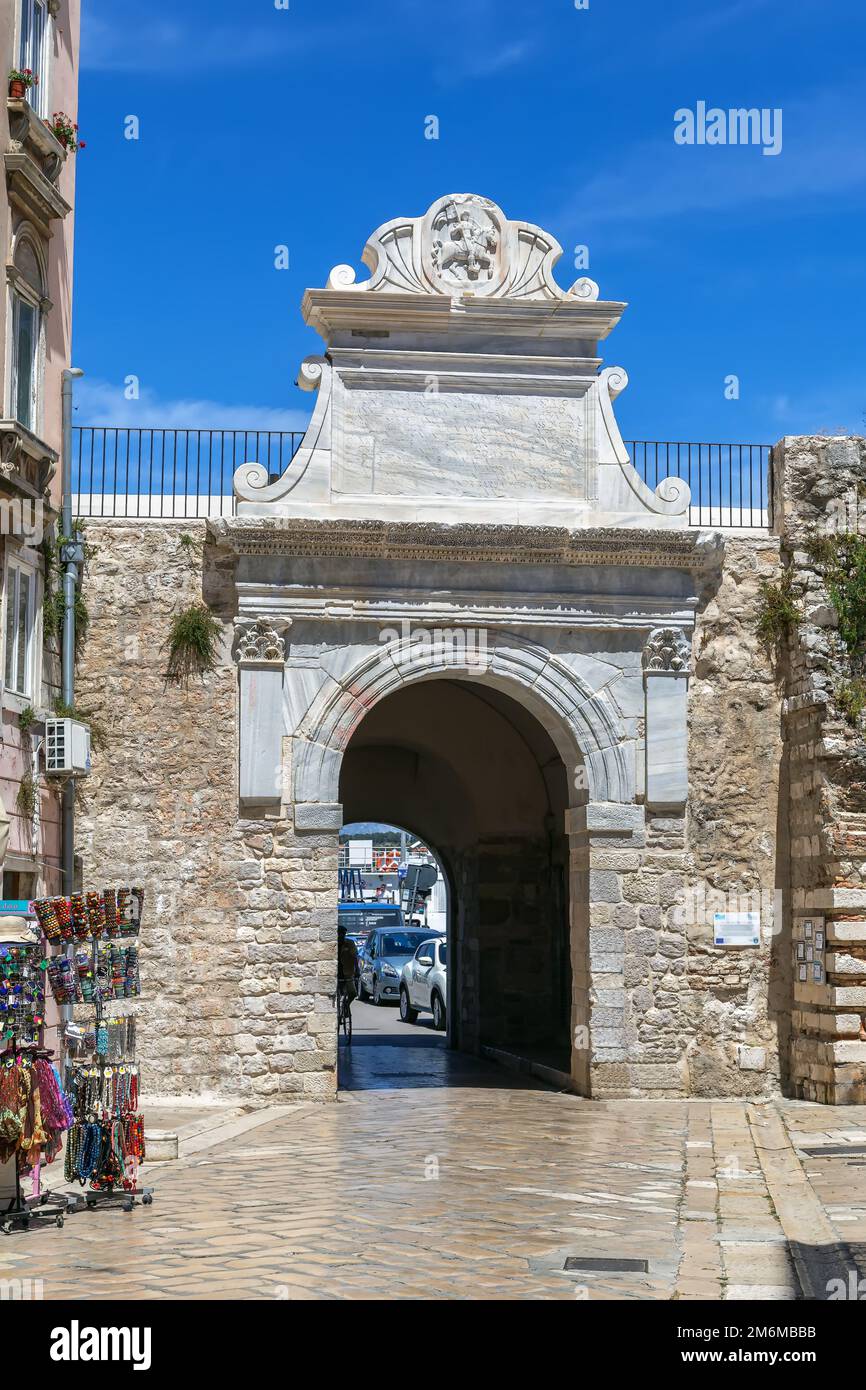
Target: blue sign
16	907
401	872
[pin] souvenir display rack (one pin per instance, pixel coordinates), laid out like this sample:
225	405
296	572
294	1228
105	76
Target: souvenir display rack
34	1111
105	1144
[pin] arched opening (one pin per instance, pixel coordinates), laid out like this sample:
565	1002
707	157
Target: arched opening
480	781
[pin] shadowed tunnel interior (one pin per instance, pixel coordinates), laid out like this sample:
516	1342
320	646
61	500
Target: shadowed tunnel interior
479	779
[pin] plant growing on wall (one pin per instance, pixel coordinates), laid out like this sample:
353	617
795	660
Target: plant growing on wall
53	600
26	798
96	727
28	792
851	699
26	719
778	614
192	644
842	561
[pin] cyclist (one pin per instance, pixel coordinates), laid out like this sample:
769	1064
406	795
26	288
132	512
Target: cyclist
347	965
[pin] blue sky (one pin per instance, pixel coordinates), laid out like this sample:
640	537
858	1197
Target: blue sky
305	127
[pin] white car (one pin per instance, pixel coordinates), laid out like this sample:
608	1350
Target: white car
423	982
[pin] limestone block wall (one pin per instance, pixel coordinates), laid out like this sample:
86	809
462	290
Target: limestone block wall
818	493
240	921
671	1013
734	1004
238	959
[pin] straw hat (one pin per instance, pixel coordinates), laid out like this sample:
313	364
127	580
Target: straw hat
16	931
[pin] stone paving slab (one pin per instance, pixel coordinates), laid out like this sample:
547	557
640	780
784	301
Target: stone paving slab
838	1183
470	1192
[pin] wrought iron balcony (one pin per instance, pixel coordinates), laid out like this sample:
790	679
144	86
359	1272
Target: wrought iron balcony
187	473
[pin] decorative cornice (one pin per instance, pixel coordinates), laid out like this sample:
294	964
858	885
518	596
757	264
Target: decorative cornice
535	374
33	192
27	465
623	611
667	652
528	545
334	311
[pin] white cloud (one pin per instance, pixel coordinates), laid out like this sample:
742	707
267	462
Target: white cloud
486	63
122	39
696	30
102	403
822	153
839	407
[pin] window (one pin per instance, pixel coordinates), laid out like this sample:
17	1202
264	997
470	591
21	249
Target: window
27	296
33	51
26	335
18	885
399	943
20	620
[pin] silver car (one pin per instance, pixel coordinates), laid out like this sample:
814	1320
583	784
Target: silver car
385	952
423	983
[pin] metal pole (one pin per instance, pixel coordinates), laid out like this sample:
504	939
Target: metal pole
69	558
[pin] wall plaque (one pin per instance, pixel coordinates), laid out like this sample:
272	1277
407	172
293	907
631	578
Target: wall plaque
737	928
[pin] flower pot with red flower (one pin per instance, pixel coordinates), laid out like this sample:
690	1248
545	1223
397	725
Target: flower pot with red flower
65	130
20	82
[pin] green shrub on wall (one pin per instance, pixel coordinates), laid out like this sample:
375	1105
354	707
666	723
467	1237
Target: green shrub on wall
778	614
26	797
851	699
842	561
53	598
192	643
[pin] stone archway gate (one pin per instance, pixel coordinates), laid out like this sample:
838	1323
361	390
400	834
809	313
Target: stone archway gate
607	679
462	506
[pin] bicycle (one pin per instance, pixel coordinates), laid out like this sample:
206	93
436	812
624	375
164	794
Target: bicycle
344	1012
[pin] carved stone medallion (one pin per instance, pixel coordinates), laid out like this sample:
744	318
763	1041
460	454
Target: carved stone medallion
463	244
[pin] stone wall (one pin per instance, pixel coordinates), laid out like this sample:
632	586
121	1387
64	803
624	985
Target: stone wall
733	1004
819	491
238	959
672	1014
232	984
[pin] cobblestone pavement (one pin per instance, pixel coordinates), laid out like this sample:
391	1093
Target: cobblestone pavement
446	1177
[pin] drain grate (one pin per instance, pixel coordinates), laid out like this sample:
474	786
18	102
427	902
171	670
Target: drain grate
600	1265
836	1151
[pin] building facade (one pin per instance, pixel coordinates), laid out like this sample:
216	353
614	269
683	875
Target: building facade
463	610
37	195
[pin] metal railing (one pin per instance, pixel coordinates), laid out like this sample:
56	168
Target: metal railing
169	473
729	483
178	473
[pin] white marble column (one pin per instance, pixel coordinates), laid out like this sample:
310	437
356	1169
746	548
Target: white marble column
666	681
261	655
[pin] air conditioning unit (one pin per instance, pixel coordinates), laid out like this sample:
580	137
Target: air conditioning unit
67	748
